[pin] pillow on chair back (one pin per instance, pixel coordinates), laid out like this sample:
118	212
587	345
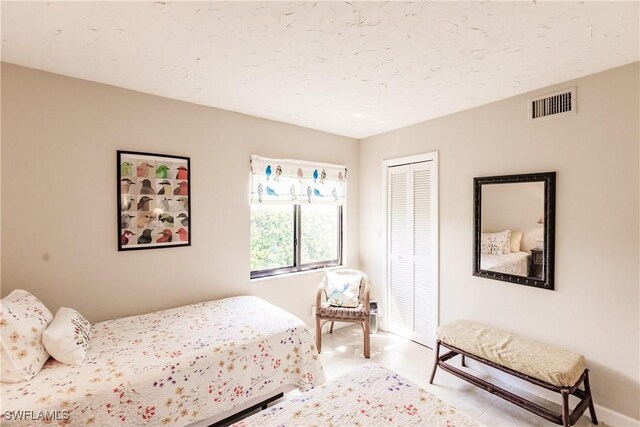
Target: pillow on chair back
343	290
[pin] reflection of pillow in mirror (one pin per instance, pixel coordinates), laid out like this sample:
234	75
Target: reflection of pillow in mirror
516	241
506	249
495	243
486	246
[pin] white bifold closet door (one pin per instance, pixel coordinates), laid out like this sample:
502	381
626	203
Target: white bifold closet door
412	246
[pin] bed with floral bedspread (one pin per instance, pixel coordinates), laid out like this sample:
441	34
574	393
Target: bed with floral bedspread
516	263
173	367
366	396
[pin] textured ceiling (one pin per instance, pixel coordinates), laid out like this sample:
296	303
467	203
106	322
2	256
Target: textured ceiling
355	69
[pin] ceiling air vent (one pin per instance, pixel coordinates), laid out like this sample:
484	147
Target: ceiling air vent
552	105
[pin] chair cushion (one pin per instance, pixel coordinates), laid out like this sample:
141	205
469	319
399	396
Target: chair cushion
23	318
327	310
536	359
343	290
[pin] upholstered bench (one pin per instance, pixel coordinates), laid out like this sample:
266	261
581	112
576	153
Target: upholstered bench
539	363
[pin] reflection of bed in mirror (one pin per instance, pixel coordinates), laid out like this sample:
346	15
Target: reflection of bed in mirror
511	226
516	263
503	252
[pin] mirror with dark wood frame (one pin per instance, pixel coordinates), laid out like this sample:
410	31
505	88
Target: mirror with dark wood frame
514	228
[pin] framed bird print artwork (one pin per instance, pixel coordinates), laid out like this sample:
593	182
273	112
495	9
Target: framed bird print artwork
154	201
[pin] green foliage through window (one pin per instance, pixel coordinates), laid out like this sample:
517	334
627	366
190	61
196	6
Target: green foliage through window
273	241
319	233
271	236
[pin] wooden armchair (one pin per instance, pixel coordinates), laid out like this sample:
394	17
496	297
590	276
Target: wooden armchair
327	313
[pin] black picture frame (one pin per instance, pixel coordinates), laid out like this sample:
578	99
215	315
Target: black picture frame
549	180
148	216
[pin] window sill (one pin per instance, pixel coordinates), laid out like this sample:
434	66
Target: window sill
296	273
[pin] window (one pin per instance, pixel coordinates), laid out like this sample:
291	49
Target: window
290	238
272	237
296	215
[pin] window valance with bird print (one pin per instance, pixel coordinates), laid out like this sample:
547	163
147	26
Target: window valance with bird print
278	181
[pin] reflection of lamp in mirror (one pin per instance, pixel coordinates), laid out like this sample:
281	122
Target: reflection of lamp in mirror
539	241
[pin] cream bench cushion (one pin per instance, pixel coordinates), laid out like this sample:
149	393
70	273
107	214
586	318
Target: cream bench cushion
535	359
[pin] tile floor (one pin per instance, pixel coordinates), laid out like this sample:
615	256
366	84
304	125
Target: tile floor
342	351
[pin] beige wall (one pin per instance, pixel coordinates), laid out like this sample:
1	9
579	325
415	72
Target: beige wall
59	142
594	309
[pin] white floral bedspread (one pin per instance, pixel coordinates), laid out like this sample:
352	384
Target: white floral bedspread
516	263
367	396
175	366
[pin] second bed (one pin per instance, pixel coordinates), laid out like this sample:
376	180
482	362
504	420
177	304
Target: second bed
366	396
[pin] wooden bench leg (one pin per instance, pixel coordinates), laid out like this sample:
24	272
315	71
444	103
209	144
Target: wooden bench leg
318	334
464	362
435	364
592	409
331	329
367	339
566	421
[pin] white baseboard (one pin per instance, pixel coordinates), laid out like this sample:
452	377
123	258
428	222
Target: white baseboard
606	415
615	419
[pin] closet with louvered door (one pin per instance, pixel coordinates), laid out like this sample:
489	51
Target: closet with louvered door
412	246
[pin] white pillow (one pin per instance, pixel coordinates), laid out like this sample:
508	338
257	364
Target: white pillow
23	318
496	243
343	290
67	337
516	241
